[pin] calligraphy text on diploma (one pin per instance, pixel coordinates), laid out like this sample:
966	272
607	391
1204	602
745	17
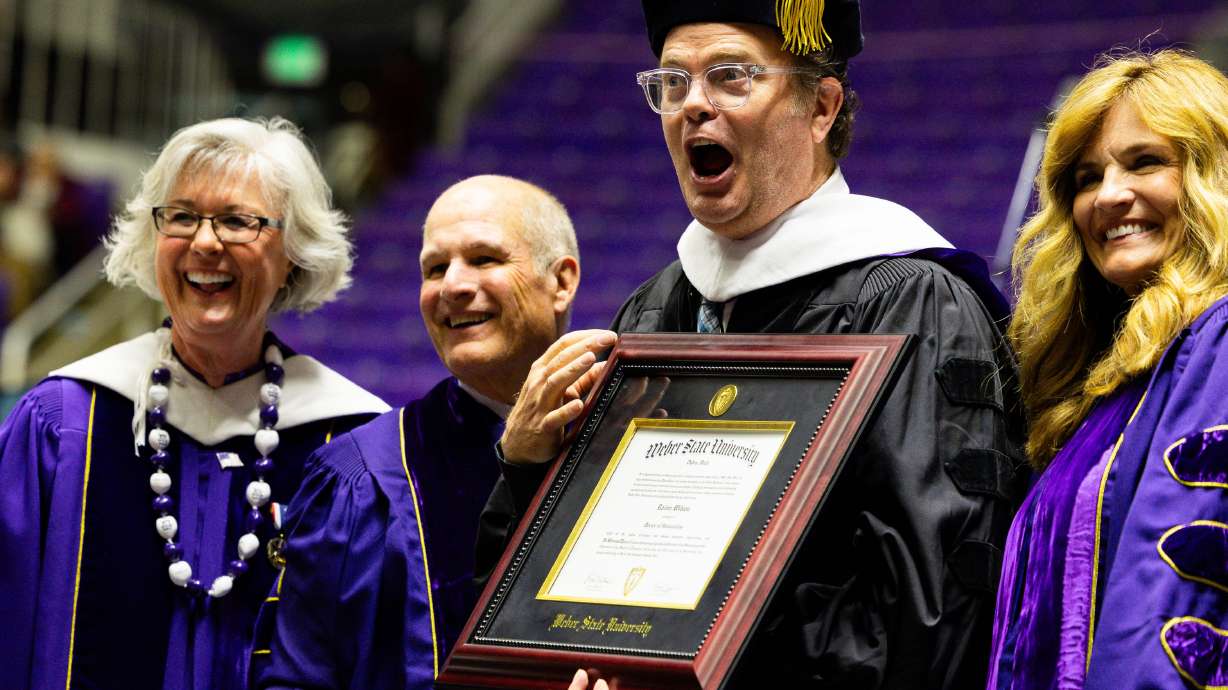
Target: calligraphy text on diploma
664	512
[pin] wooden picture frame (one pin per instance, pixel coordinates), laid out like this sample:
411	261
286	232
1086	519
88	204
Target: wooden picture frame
707	505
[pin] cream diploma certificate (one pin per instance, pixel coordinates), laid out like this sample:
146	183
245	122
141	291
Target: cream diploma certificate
664	512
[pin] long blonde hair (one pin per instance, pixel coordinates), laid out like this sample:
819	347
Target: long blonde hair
1075	344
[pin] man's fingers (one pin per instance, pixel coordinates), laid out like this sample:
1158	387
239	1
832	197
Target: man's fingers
560	353
557	370
567	354
599	341
550	397
562	379
590	378
593	339
580	682
584	385
563	416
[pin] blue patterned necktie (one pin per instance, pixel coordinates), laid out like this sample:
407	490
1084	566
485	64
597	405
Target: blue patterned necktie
710	317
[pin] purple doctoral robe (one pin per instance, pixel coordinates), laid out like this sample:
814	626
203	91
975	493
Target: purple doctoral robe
381	510
1117	569
89	603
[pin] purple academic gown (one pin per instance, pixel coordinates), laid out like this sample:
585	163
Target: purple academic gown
1117	568
352	609
94	607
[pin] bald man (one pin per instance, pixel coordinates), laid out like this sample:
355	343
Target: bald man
379	562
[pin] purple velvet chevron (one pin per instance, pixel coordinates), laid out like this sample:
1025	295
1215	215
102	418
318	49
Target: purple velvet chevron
1198	650
1201	457
1200	551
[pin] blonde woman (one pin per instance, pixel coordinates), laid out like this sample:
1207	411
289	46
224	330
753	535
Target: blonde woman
1116	569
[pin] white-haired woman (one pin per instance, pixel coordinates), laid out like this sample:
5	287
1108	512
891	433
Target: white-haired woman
139	487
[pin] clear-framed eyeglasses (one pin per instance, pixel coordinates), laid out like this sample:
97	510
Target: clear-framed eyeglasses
230	228
727	85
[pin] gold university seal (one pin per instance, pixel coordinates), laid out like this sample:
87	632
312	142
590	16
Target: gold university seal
723	400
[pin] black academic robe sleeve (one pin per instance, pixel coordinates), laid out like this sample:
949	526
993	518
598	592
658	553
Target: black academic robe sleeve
514	490
895	589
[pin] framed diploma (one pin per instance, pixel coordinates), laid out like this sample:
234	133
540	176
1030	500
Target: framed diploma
665	527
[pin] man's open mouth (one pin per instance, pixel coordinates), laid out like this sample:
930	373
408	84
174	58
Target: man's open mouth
709	159
209	282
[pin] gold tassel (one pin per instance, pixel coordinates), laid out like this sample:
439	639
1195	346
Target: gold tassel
801	22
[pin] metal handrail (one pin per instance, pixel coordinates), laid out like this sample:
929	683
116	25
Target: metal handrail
486	39
1022	196
1020	200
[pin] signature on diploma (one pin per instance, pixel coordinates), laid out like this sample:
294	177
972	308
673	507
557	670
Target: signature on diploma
596	582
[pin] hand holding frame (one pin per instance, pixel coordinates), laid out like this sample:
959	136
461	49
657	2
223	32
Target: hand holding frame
553	396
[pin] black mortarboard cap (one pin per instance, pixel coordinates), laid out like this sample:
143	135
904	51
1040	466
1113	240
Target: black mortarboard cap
807	25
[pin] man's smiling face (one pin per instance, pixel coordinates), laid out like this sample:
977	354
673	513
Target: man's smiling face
488	309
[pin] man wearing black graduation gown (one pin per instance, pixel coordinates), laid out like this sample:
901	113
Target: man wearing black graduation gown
895	589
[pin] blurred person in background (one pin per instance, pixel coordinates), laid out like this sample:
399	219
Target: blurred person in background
1115	572
27	240
380	559
10	179
48	220
140	485
76	211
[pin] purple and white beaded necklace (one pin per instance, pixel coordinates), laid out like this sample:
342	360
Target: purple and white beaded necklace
258	491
